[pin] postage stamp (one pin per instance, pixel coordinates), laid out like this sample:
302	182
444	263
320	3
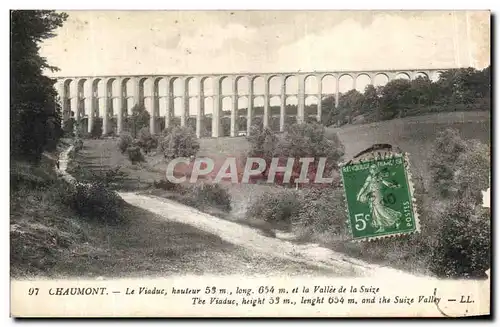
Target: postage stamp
379	197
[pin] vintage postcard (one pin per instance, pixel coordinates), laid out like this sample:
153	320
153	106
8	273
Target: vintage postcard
250	163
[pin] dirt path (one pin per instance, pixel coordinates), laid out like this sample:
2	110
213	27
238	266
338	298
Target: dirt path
252	239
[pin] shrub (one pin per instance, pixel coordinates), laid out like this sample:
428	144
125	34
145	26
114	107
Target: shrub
463	249
179	142
96	131
146	141
135	155
94	201
444	155
124	142
298	141
321	211
165	184
275	207
209	194
473	170
263	143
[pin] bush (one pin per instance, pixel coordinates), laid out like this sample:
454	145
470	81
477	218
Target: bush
275	207
472	171
463	249
444	154
179	142
165	184
146	141
96	131
125	142
298	141
94	201
321	212
209	194
135	155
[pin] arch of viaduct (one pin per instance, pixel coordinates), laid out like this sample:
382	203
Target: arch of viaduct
87	96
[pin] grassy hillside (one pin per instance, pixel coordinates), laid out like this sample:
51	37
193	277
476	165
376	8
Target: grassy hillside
49	239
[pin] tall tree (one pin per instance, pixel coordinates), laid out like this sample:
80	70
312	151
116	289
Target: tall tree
138	119
35	115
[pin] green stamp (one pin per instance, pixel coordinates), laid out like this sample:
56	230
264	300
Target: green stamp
379	197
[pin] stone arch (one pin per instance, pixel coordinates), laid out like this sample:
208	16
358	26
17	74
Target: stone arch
258	107
274	105
291	85
311	84
126	88
193	106
259	85
208	105
225	118
71	92
402	75
291	109
225	85
82	94
191	86
67	87
178	106
380	79
160	90
176	86
328	84
436	75
95	95
362	81
226	105
311	105
112	84
274	82
146	93
242	105
241	116
345	82
207	85
421	74
242	85
274	112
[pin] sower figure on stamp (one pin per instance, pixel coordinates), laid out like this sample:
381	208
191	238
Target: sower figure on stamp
371	192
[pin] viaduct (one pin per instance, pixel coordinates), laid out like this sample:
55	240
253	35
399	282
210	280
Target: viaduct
111	97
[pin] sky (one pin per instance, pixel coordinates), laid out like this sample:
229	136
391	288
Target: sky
203	42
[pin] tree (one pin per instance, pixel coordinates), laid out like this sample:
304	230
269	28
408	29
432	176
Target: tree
328	110
298	141
445	152
309	140
179	142
370	102
349	106
35	114
463	249
394	96
96	131
138	119
472	171
146	141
